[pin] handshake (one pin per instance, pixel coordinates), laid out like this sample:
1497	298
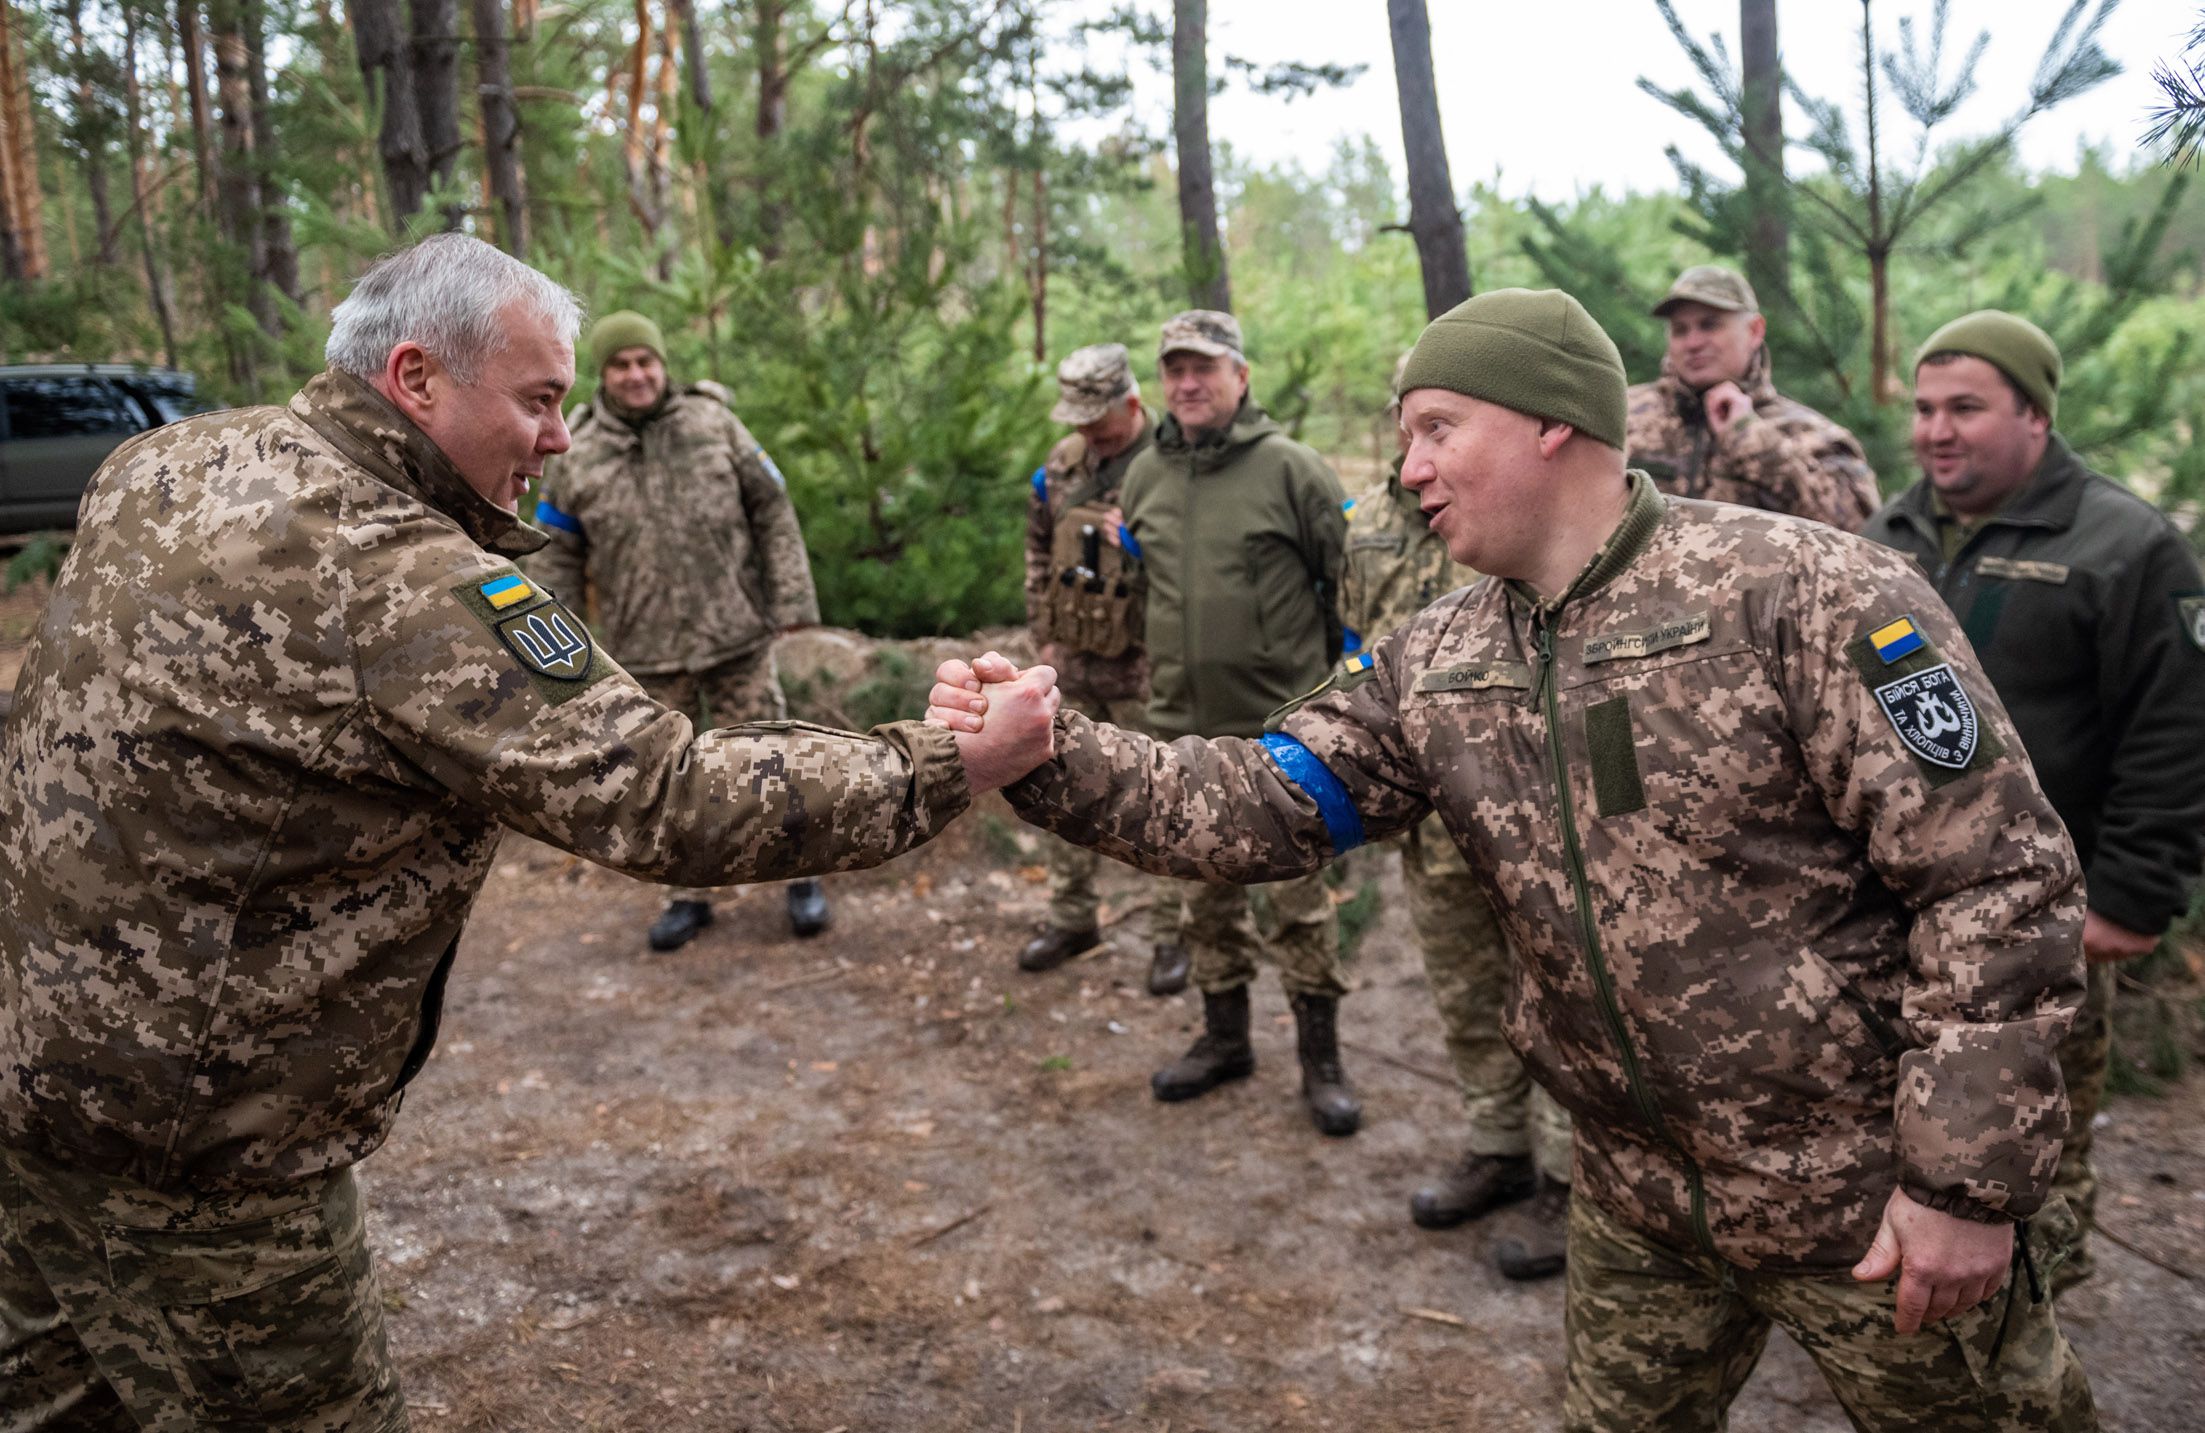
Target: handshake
1004	719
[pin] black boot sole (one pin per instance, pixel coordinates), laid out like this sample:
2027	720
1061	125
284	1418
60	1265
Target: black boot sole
1195	1089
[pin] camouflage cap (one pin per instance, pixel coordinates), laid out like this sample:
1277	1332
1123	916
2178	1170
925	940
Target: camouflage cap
1713	285
1090	380
1202	330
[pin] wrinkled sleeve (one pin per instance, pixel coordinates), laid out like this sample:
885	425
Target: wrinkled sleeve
1811	469
1331	774
2152	685
597	768
562	564
777	542
1994	954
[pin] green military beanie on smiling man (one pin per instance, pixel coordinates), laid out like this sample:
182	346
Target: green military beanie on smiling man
1534	350
623	329
2012	345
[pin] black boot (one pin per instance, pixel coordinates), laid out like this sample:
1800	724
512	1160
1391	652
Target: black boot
808	914
679	923
1167	968
1053	947
1325	1089
1477	1186
1221	1054
1545	1251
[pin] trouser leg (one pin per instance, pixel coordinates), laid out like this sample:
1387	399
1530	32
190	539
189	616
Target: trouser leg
1307	946
1221	937
2085	1059
48	1381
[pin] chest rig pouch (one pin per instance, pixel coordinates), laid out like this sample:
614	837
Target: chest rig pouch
1096	601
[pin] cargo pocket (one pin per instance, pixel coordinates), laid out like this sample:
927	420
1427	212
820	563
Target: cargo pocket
265	1320
2012	1340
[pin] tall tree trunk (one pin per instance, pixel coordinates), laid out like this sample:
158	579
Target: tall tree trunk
501	126
1039	280
237	210
769	44
1203	257
91	127
156	288
1768	252
387	65
665	100
22	201
279	252
194	45
1434	221
1879	243
435	50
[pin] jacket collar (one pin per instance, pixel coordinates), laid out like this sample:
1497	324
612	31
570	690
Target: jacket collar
1641	518
1250	425
1758	383
368	429
627	420
2049	500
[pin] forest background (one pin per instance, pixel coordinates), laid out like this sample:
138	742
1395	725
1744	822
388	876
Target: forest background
881	222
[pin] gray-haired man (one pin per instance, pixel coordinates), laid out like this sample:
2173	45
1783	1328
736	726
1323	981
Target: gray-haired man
289	687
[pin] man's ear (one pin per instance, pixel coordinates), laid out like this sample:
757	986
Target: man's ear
1757	329
1553	433
407	380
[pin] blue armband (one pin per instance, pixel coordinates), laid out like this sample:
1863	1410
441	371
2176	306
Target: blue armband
1343	823
551	517
1041	483
1127	543
1351	641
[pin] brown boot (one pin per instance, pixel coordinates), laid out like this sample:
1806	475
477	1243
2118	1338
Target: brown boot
1325	1088
1221	1054
1053	947
1543	1252
1477	1186
1167	968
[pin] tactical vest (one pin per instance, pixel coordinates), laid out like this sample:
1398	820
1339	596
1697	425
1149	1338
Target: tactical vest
1095	597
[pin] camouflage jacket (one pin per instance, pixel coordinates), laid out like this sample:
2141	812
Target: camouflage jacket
1396	565
1784	940
1786	458
1240	538
682	528
287	688
2089	611
1070	478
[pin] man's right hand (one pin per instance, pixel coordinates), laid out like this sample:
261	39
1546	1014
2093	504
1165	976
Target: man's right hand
1005	719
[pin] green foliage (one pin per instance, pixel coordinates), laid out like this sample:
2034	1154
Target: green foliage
38	560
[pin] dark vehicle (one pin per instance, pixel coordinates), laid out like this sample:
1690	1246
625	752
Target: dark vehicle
59	421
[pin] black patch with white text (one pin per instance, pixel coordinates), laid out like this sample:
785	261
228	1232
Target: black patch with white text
2190	609
1934	715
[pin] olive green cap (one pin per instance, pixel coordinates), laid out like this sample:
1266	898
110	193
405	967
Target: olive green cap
1534	350
623	329
2010	343
1713	285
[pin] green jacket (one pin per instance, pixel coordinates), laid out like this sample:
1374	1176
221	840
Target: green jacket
1241	539
2089	613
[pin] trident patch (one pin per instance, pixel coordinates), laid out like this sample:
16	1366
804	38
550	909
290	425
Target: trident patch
550	641
1934	715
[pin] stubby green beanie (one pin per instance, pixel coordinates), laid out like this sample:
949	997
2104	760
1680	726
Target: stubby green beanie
1534	350
2012	344
623	329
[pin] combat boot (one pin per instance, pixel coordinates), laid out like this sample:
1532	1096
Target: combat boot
1054	946
808	913
1221	1054
679	923
1545	1251
1477	1186
1325	1089
1167	968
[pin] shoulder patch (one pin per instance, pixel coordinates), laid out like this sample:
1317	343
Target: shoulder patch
2189	607
544	639
773	470
1930	710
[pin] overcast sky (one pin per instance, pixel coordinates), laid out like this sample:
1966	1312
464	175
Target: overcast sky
1545	93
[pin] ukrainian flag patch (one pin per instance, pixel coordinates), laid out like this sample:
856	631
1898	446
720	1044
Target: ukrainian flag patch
503	592
1360	662
1896	640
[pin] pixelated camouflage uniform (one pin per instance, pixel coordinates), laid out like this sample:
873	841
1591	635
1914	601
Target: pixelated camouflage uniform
1774	960
1111	689
2089	611
1396	567
1240	540
678	528
287	691
1784	458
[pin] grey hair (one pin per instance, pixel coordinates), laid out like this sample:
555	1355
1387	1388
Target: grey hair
449	294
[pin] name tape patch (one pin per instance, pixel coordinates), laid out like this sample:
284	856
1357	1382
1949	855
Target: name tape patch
1677	632
2023	570
1474	677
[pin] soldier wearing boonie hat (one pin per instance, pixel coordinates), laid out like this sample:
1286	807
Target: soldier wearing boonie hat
1713	425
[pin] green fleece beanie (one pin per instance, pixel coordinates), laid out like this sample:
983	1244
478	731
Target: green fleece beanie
623	329
2010	343
1536	351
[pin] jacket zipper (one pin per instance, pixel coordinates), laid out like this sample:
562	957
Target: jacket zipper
1589	932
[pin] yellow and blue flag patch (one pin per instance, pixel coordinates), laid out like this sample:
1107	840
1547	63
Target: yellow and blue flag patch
1896	640
1360	662
503	592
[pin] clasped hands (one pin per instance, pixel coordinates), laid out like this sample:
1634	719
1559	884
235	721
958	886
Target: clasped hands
1004	719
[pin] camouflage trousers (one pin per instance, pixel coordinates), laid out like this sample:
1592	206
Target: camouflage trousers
1466	960
1219	929
1072	869
122	1308
746	688
1661	1341
2085	1057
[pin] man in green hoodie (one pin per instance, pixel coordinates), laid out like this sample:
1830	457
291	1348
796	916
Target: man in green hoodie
1240	534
